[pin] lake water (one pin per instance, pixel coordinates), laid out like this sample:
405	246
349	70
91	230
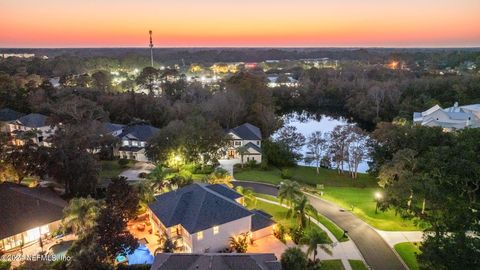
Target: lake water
307	125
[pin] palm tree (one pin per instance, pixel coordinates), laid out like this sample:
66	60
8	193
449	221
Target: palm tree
239	243
248	195
289	191
242	151
300	209
314	238
80	215
167	244
146	193
157	179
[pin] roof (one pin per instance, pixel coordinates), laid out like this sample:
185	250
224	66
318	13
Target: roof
225	191
247	131
254	146
7	115
197	207
33	120
214	261
140	132
111	127
261	220
24	208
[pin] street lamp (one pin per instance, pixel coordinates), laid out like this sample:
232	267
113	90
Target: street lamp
378	197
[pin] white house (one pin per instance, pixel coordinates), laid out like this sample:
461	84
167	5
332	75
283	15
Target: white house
452	118
203	217
36	124
247	136
134	139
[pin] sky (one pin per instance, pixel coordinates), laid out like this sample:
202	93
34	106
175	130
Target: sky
240	23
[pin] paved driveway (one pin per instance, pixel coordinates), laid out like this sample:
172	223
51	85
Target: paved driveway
375	250
227	164
140	167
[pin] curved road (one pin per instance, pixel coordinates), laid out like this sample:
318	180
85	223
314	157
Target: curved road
375	250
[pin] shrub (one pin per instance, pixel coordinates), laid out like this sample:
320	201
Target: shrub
279	232
294	259
264	164
4	265
143	175
208	169
297	234
252	163
123	162
285	174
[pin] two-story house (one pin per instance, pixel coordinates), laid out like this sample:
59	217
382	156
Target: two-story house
202	217
456	117
35	124
134	138
247	136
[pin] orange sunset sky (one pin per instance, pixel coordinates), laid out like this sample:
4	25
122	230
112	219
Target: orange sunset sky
240	23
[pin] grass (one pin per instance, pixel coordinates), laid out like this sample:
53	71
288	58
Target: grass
357	265
305	175
361	200
111	168
408	251
339	189
279	214
332	227
332	265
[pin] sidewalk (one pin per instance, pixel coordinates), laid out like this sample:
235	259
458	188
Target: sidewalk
394	237
343	251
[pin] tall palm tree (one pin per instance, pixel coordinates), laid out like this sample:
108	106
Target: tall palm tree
289	191
248	195
300	209
80	215
242	151
315	237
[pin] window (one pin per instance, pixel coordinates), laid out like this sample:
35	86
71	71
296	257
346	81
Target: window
125	142
199	235
216	229
238	143
134	143
258	142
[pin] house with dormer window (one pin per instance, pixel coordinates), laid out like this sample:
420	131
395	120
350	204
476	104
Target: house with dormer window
134	139
247	136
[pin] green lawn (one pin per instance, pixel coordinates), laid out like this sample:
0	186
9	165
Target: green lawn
339	189
357	265
279	214
332	265
332	227
111	168
363	203
408	253
305	175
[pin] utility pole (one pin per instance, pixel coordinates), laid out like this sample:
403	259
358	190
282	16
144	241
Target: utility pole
151	48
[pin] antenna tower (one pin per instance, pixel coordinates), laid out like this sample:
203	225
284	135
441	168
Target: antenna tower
151	48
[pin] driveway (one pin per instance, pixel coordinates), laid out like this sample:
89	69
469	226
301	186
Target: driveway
139	167
375	250
227	164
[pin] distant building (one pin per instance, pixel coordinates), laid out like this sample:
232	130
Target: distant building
456	117
216	261
27	214
18	55
202	217
247	136
6	117
33	123
134	139
277	81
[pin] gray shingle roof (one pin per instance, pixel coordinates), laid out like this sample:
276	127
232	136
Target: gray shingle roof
247	132
141	132
24	208
196	207
33	120
261	220
7	115
254	146
111	127
224	190
216	261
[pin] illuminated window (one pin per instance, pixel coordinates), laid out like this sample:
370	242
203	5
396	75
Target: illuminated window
215	229
199	235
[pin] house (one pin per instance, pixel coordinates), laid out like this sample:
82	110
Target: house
6	117
247	136
134	138
288	81
452	118
203	217
214	261
27	214
35	123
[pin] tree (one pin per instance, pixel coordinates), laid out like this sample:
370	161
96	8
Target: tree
220	176
300	209
148	78
102	80
356	148
80	215
339	146
289	191
317	145
239	243
316	238
247	194
277	154
242	151
294	140
294	258
167	245
120	205
26	159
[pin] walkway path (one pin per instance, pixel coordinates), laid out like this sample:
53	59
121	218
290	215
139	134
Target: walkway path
393	238
377	253
343	251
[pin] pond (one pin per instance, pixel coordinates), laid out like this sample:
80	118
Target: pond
306	125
